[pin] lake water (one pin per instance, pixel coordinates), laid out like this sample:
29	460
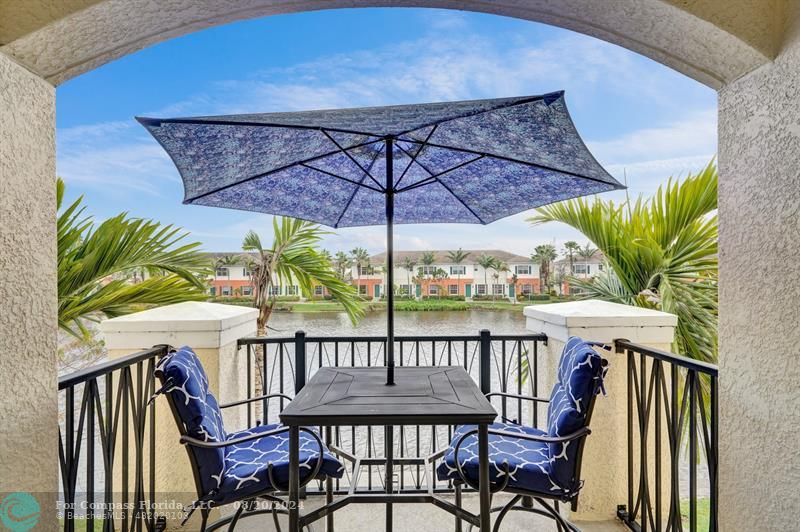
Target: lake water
406	323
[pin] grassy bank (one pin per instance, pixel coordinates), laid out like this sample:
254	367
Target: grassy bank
402	305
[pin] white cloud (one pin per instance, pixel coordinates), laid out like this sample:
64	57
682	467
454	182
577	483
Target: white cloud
695	134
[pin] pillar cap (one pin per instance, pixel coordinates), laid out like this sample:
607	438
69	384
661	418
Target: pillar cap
601	321
195	323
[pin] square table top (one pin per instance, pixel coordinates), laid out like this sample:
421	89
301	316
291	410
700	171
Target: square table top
439	395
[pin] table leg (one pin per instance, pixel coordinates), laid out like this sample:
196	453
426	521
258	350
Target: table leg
328	487
388	443
294	479
483	476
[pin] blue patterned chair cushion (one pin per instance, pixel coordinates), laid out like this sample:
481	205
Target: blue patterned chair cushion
198	410
580	378
535	466
247	464
528	461
237	471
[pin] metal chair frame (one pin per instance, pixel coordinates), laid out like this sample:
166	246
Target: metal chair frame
246	508
523	499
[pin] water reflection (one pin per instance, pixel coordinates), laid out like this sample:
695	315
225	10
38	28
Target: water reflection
406	323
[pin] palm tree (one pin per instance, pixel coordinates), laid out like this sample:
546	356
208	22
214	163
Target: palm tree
544	255
457	257
409	266
294	256
571	248
360	258
486	262
343	263
96	263
427	259
586	253
661	252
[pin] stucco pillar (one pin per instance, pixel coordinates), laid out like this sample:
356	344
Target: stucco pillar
605	465
211	329
28	388
759	209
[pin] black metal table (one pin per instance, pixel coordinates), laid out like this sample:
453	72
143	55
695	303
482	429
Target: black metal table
444	395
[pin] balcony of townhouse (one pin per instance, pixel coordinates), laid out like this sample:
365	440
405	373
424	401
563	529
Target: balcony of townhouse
650	462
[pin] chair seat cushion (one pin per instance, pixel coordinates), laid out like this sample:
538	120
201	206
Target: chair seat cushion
528	462
247	464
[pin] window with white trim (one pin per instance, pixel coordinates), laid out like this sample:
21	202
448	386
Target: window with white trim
452	289
458	270
319	290
362	289
226	290
429	270
274	290
527	289
222	272
247	290
523	269
480	289
498	289
291	290
433	290
579	269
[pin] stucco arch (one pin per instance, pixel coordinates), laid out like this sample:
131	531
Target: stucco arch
707	45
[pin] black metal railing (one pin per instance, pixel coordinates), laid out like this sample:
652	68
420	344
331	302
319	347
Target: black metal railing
504	363
672	441
107	432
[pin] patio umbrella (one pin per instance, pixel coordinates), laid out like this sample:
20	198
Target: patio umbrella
452	162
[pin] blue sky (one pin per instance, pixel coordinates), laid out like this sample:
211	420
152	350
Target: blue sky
644	122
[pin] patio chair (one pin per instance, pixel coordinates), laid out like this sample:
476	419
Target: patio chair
242	466
536	465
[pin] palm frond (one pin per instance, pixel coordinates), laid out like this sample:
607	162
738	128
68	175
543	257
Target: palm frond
96	265
661	252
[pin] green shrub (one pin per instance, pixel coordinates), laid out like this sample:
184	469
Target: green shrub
533	297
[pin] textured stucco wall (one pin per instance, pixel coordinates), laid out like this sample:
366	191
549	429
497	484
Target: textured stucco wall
28	408
669	34
759	153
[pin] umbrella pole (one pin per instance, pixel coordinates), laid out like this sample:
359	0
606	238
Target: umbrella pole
389	261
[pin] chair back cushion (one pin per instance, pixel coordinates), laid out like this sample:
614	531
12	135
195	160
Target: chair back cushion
579	379
197	409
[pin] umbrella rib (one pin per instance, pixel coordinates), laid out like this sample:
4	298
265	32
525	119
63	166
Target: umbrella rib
352	158
275	170
478	112
435	177
355	191
156	122
352	181
414	158
449	189
511	160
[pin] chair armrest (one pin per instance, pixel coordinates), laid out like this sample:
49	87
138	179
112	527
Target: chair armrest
517	396
253	399
580	433
188	440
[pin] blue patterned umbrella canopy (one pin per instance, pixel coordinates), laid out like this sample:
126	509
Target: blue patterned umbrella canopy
453	162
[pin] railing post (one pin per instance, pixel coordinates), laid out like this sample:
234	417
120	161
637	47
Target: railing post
486	361
299	361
